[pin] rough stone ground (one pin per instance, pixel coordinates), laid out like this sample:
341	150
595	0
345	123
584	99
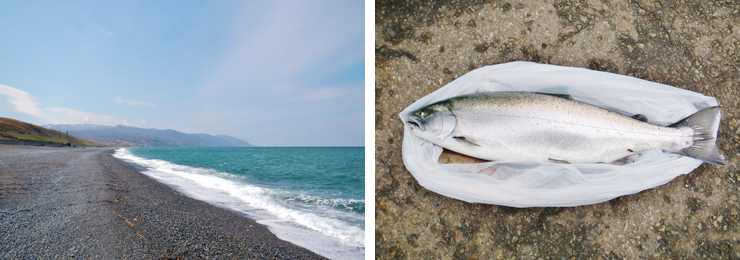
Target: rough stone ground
421	46
63	203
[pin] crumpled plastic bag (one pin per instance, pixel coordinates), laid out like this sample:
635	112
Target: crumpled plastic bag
555	185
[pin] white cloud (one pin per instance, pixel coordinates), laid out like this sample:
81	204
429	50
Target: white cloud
23	101
129	102
71	116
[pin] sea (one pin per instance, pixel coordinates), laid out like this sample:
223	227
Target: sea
311	197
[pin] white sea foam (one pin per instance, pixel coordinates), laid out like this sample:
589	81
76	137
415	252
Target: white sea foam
298	223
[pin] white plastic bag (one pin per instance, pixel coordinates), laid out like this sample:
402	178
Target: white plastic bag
555	185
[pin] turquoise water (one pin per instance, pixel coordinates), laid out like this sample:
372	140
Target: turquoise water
319	189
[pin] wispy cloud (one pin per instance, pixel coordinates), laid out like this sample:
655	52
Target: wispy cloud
331	92
23	101
71	116
106	32
130	102
283	88
293	92
297	38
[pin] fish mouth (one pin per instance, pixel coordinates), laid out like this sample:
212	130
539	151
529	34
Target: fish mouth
414	122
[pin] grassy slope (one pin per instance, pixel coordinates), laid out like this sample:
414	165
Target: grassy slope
11	129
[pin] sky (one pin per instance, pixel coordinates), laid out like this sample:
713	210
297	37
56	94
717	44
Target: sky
272	73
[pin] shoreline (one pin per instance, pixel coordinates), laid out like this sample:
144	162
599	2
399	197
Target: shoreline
289	229
86	203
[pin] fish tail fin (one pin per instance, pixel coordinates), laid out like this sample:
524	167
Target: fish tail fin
705	123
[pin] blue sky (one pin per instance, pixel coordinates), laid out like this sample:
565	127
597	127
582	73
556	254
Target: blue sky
273	73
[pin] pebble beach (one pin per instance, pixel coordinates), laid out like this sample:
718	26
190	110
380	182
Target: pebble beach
83	203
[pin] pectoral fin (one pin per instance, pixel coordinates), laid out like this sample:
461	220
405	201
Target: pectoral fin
640	117
465	140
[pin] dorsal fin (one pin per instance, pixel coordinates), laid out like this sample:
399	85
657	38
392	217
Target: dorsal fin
565	96
561	161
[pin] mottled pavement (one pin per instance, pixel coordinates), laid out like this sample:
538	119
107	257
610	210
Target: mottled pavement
421	46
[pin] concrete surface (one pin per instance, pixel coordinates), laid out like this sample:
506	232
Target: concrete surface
421	46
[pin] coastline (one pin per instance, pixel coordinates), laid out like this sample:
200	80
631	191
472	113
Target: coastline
309	229
65	202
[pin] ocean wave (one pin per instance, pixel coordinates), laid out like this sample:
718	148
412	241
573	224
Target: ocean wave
351	205
335	217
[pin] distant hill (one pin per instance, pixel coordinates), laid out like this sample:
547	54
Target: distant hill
135	136
234	141
17	132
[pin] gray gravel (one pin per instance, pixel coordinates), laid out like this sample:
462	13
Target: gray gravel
83	203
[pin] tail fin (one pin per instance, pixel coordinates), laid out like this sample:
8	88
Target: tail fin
705	123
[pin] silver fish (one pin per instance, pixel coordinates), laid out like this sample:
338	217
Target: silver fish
532	128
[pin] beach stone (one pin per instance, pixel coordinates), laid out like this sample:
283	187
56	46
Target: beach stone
83	203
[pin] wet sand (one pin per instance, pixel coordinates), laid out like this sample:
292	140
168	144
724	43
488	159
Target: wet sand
83	203
422	45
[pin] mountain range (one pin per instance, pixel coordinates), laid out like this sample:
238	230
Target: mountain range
134	136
